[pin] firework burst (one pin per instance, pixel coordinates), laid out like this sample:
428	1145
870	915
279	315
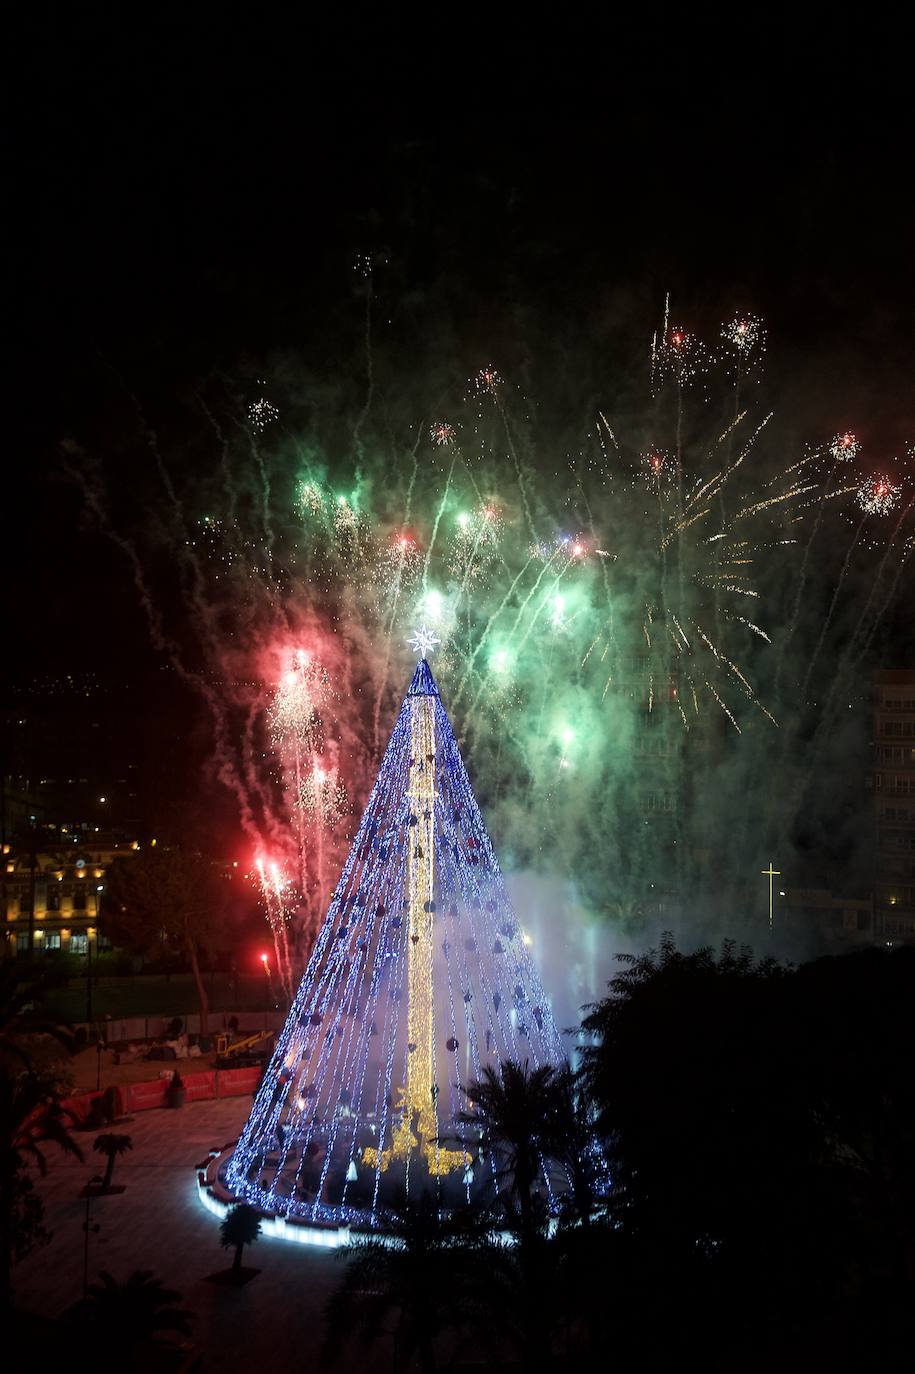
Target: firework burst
744	333
659	467
261	414
878	495
441	433
600	587
844	447
487	381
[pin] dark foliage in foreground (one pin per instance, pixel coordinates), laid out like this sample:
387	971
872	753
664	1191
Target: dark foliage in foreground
31	1117
131	1313
759	1127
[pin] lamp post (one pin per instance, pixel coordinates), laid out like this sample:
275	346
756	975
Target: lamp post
87	1229
88	980
98	898
33	868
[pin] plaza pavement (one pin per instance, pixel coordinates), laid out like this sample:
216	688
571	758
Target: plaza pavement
159	1224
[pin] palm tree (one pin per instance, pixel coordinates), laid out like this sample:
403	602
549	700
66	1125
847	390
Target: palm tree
425	1271
241	1227
31	1118
136	1311
515	1112
573	1144
112	1146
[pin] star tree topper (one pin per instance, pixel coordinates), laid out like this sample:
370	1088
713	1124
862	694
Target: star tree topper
423	641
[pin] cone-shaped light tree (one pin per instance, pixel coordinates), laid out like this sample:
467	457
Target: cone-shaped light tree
419	980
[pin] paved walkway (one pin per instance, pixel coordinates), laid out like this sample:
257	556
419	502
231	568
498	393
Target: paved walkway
159	1224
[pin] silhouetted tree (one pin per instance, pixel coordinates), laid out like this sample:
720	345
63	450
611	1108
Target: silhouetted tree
514	1111
572	1142
31	1118
760	1123
240	1227
424	1274
134	1312
111	1145
172	900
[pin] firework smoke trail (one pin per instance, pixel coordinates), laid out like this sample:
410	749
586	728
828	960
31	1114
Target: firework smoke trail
487	628
888	599
369	365
533	620
553	593
228	477
296	726
409	500
438	518
468	571
265	497
253	780
227	770
801	583
386	666
814	657
511	635
473	481
239	775
848	660
847	663
532	593
793	618
271	894
522	486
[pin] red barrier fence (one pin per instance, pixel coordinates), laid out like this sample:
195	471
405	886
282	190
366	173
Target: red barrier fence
78	1108
200	1086
236	1082
144	1097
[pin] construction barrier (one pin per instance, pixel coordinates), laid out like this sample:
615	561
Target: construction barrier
144	1097
201	1087
236	1082
122	1030
78	1108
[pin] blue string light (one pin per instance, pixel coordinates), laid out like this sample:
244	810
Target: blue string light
352	1115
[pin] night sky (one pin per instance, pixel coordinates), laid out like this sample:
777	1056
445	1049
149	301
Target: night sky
186	194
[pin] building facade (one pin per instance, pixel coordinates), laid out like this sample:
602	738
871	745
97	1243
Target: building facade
52	890
827	920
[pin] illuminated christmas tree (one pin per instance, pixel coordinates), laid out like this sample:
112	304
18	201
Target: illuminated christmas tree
419	979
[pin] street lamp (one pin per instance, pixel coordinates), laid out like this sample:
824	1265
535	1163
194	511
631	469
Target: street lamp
87	1228
100	888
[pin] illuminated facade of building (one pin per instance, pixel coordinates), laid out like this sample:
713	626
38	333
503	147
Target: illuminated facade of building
51	895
